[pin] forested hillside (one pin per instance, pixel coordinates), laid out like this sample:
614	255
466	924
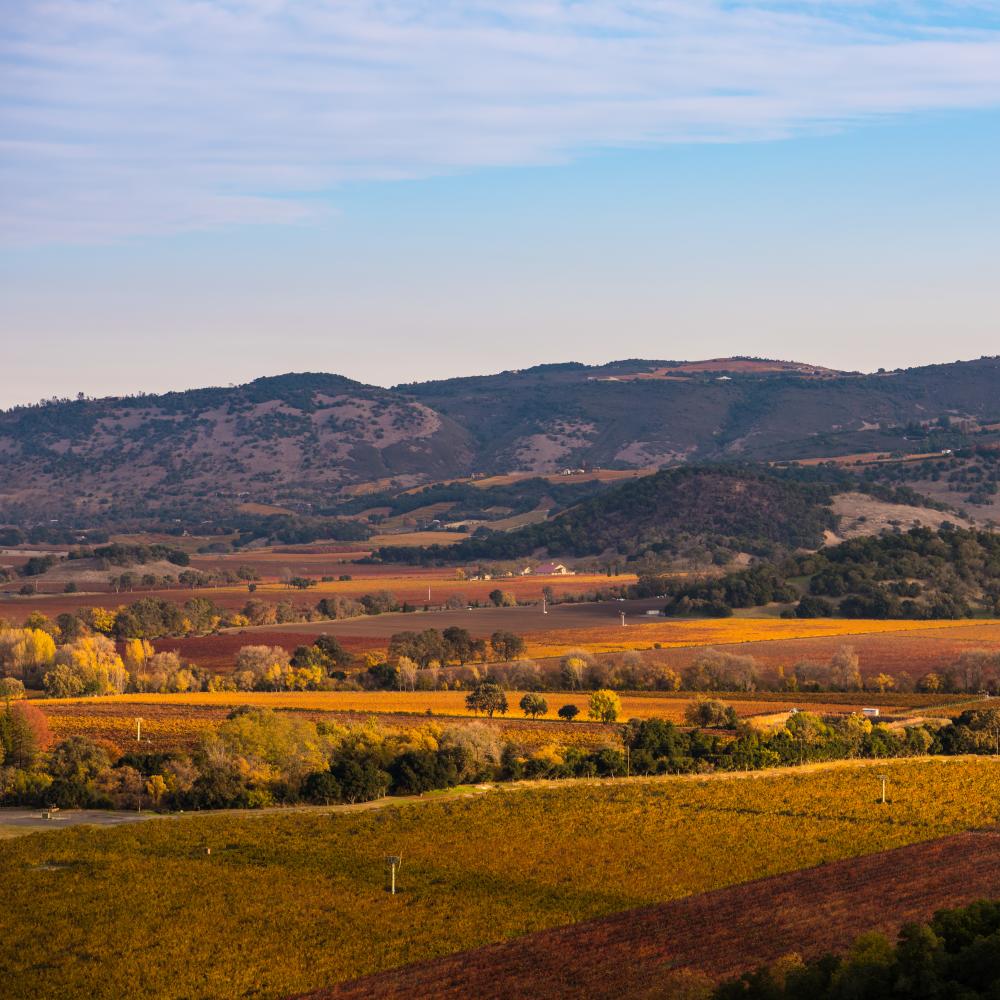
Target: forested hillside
718	509
923	574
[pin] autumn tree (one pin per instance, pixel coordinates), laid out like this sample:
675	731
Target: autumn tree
487	697
707	712
604	706
24	733
88	666
507	645
534	705
845	669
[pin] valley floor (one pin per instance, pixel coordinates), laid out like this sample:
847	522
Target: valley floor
277	904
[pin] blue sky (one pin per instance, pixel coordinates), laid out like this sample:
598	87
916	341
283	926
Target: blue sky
200	193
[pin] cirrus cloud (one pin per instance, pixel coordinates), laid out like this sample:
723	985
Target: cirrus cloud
124	119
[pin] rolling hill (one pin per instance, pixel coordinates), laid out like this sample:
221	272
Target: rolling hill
302	440
728	509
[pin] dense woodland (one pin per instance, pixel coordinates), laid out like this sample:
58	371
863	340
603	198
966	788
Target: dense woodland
921	574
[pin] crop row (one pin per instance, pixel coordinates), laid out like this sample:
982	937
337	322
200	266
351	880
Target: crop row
473	871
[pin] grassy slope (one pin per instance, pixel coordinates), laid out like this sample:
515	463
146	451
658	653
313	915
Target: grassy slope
285	903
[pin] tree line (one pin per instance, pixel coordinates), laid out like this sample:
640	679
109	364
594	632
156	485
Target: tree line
259	757
956	954
919	574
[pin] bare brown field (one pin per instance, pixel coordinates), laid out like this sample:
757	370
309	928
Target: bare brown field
710	936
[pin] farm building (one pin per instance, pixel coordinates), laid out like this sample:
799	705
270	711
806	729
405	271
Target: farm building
553	569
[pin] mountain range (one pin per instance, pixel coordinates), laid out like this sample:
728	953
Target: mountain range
307	438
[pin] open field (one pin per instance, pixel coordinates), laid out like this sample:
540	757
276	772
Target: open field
914	651
177	722
475	871
891	647
597	475
406	585
713	935
444	703
597	627
417	538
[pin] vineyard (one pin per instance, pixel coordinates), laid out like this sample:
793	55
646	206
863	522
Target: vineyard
406	585
441	703
748	631
922	648
672	949
474	871
177	722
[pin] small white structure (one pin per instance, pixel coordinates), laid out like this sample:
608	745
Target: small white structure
870	711
553	569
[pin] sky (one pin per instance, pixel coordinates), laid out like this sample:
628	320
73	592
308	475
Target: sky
200	193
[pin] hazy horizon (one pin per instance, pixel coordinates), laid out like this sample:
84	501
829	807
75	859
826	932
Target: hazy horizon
139	390
198	193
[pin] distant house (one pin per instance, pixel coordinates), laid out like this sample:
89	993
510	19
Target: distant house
553	569
870	711
527	571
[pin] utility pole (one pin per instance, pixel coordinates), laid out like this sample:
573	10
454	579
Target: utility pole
394	861
138	730
623	619
545	609
884	778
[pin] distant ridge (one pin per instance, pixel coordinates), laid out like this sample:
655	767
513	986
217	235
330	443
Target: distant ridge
302	438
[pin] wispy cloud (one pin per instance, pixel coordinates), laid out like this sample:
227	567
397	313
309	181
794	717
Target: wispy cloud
122	118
